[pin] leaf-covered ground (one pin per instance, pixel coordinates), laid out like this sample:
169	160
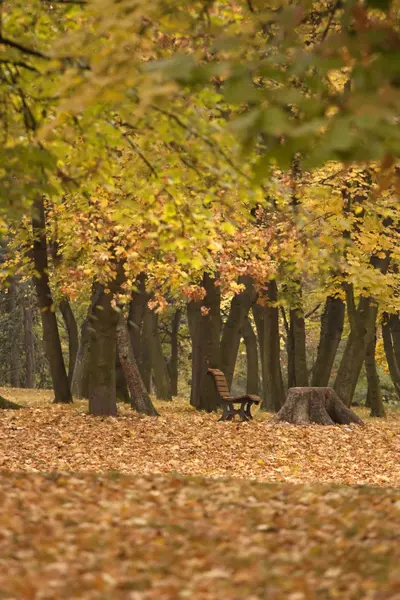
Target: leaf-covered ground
193	508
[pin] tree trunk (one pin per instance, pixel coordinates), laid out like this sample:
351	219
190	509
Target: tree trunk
231	334
159	366
51	335
206	332
374	390
120	380
173	363
140	399
137	310
29	346
73	337
80	378
267	323
394	323
332	321
103	347
298	337
14	322
250	340
394	368
363	319
320	405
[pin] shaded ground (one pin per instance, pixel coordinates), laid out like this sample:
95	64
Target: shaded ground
71	526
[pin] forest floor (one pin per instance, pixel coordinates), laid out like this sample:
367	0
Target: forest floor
186	507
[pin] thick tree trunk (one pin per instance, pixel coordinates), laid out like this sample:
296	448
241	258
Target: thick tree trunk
267	324
362	323
140	399
374	390
137	310
394	368
14	322
51	335
103	347
320	405
250	340
159	366
298	340
332	321
231	334
29	346
73	336
206	352
173	363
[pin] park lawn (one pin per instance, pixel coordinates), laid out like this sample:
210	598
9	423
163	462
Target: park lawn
186	507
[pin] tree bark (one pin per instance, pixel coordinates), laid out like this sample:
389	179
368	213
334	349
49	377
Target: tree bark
362	321
267	324
394	323
394	368
320	405
73	336
250	340
332	321
298	340
29	346
374	390
120	380
231	334
140	399
51	335
137	310
14	322
159	366
80	378
173	363
206	353
103	347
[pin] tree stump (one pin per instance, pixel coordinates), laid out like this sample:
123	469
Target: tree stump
8	405
320	405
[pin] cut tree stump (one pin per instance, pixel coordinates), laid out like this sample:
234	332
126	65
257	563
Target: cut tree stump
6	404
321	405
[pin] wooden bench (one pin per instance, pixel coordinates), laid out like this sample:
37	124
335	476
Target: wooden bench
228	401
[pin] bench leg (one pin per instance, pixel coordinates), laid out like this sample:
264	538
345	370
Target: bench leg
244	416
227	413
247	409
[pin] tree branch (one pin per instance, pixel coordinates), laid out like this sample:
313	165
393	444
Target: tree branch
22	48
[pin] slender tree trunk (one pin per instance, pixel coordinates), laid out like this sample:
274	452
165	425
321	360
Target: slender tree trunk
80	378
140	399
332	321
160	371
173	363
15	363
137	310
51	335
103	347
231	334
73	336
250	340
394	323
206	352
362	322
394	368
120	380
29	346
267	323
374	390
298	337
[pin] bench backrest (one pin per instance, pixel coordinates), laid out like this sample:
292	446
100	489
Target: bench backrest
220	382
